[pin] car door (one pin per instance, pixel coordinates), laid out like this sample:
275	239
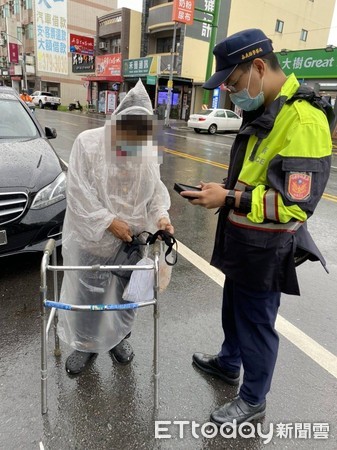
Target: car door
233	121
220	119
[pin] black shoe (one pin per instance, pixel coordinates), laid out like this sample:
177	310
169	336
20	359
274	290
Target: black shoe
238	410
122	353
78	361
210	364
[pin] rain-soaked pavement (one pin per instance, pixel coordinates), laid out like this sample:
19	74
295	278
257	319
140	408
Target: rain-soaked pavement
111	406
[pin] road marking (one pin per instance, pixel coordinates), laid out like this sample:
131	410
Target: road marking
204	141
195	158
302	341
332	198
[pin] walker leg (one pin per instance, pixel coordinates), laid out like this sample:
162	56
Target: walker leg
44	372
57	350
156	356
156	326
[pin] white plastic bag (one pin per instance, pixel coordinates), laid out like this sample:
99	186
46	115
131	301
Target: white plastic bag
141	284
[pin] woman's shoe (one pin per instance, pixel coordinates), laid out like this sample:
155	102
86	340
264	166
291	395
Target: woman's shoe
77	361
122	353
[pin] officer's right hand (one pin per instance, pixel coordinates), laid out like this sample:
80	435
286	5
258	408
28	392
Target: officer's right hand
121	230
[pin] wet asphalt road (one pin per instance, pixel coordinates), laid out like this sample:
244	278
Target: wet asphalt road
111	406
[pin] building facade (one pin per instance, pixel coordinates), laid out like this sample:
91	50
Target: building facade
80	48
38	32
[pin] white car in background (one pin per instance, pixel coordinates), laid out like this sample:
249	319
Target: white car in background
45	99
213	120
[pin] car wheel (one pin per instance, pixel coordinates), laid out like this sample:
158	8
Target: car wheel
55	107
212	128
41	105
197	130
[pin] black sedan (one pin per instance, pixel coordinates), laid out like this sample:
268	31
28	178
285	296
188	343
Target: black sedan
32	180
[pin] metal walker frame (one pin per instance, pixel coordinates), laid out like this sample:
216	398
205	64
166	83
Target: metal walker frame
54	305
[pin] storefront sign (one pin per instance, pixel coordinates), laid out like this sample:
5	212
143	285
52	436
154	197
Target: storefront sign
151	79
82	63
316	63
183	11
81	44
108	65
140	67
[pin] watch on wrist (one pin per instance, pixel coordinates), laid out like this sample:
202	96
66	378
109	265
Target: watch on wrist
230	200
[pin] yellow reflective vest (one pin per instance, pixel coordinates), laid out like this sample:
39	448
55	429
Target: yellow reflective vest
281	160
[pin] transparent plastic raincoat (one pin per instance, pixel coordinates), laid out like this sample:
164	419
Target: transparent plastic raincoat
100	189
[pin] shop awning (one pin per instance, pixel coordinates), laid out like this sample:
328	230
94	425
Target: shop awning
114	78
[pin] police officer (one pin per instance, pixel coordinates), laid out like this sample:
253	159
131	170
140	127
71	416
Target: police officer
279	167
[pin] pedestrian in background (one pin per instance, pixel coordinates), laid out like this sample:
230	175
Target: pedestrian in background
279	167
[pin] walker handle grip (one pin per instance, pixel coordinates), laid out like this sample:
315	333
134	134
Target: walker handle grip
49	248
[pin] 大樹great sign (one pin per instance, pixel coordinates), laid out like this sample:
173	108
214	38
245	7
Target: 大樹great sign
317	63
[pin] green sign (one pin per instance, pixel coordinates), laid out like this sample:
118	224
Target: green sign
317	63
151	79
137	67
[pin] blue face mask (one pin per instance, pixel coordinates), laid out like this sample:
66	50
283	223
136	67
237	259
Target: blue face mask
243	100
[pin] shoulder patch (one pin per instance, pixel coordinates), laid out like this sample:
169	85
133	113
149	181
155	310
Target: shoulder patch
299	185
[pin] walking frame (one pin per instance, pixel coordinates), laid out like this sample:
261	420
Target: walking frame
54	305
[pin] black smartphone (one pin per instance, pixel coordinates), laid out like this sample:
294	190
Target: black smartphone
179	187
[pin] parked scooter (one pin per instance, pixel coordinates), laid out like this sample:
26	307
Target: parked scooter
75	105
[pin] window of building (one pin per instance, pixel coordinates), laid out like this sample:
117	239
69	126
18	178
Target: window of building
164	45
19	33
30	31
304	35
5	11
115	45
16	7
29	4
279	26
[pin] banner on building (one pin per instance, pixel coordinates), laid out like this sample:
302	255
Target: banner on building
183	11
13	52
81	44
108	65
51	36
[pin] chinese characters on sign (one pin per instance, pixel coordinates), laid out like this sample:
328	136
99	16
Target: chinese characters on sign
315	63
81	44
109	65
183	11
82	63
51	36
13	53
207	27
139	67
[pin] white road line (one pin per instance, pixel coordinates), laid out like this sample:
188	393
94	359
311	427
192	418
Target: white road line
302	341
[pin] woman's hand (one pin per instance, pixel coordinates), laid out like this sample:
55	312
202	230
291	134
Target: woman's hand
120	230
165	224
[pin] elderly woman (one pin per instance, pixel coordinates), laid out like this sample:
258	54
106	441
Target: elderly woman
114	191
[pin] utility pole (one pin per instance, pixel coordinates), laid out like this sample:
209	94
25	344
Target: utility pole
170	81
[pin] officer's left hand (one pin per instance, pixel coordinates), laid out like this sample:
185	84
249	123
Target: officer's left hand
211	196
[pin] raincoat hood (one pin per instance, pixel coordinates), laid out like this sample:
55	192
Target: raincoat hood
136	102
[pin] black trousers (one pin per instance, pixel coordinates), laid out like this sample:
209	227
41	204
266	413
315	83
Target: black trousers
248	321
